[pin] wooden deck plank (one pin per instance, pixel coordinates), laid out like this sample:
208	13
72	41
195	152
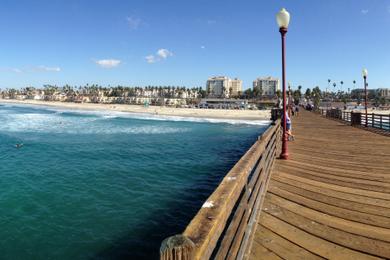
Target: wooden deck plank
378	233
340	237
337	170
337	174
319	188
363	165
311	243
330	179
344	213
331	198
281	246
334	201
380	196
260	252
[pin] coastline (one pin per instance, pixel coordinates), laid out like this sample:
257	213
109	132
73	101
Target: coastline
153	110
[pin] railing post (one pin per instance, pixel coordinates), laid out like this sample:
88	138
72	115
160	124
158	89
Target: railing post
177	247
275	115
380	121
372	119
356	118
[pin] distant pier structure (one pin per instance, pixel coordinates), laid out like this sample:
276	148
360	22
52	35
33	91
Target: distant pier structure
330	200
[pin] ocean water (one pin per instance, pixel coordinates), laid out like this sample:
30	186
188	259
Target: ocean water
106	185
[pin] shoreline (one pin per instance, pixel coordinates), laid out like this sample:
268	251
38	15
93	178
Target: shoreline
153	110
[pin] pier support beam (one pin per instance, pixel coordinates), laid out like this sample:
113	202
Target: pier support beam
178	247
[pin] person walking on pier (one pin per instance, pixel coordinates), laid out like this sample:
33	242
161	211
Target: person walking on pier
296	110
289	129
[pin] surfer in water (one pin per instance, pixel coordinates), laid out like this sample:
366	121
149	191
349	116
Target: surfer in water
18	145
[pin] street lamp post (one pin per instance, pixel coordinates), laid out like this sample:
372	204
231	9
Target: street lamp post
334	89
289	105
283	19
327	96
365	74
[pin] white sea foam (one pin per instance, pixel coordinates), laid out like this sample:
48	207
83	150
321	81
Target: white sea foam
56	123
197	119
147	116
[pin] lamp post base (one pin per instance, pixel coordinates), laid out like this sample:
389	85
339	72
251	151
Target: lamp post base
284	153
284	156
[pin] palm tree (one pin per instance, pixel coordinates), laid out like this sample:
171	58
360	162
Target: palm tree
328	86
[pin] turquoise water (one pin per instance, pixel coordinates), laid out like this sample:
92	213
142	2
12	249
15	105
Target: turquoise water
100	185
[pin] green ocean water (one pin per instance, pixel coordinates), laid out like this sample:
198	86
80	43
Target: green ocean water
100	185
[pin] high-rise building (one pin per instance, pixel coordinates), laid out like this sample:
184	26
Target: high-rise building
383	92
379	92
235	87
267	86
223	87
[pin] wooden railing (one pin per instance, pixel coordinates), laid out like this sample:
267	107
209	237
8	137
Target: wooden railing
379	121
224	226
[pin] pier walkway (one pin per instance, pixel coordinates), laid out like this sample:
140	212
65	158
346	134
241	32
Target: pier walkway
331	199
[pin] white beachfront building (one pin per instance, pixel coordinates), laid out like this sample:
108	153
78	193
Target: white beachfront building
235	88
36	94
268	86
223	87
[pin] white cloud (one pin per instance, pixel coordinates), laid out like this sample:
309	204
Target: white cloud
164	53
16	70
161	54
108	63
133	22
32	69
202	47
364	11
151	59
49	69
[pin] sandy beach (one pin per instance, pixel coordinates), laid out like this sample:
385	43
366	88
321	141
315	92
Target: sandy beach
154	110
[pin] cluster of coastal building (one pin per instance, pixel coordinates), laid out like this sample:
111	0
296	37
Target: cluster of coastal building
225	87
220	92
371	93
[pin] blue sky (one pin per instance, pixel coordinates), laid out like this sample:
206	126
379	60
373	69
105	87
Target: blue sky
182	42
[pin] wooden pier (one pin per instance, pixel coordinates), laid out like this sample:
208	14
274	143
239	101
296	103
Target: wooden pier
330	200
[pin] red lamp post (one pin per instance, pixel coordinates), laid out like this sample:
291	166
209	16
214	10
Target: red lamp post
365	74
283	19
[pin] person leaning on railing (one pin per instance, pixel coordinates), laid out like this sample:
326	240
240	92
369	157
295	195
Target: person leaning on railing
290	136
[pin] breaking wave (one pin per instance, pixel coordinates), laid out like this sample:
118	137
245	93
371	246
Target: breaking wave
147	116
